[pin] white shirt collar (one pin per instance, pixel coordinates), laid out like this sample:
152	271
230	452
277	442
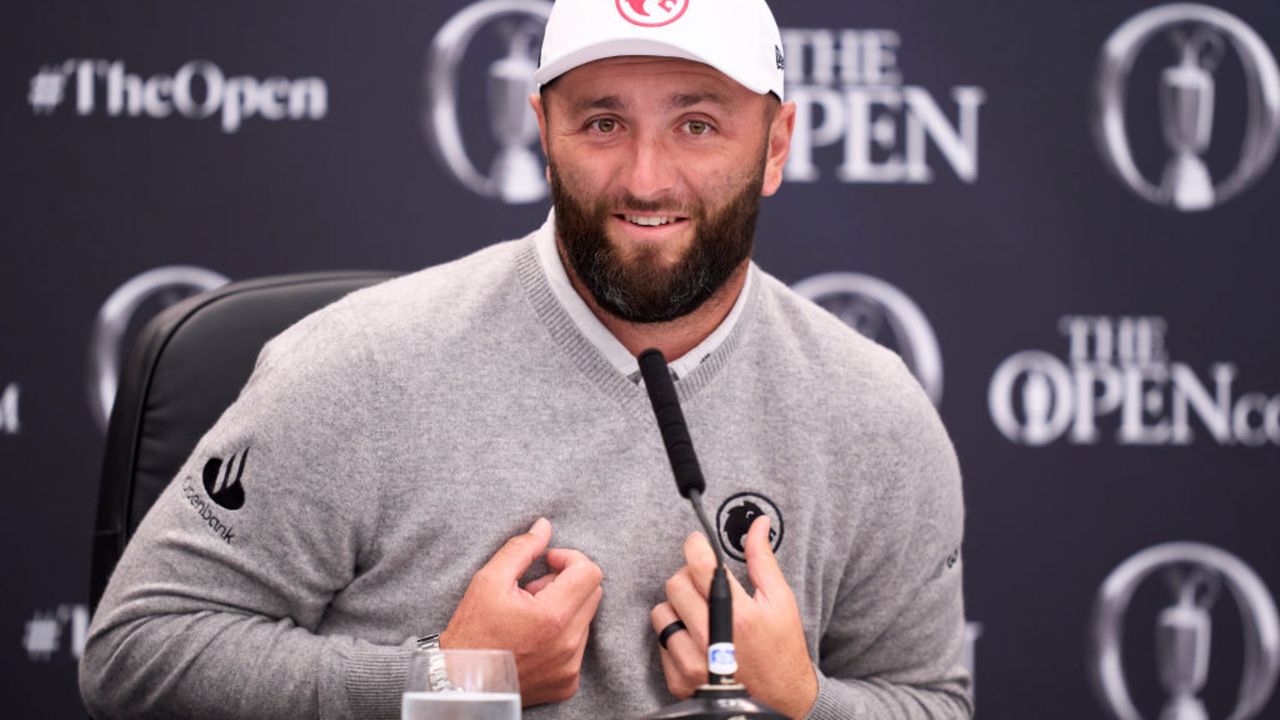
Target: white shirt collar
595	331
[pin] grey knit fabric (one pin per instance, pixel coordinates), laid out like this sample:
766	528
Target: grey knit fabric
391	442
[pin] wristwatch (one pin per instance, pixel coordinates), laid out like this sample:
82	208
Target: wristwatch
437	673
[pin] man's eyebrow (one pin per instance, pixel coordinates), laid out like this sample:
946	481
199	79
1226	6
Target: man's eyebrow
606	102
689	100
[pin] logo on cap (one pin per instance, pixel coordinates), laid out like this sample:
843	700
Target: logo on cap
652	13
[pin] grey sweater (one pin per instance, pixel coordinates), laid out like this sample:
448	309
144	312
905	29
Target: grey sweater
388	444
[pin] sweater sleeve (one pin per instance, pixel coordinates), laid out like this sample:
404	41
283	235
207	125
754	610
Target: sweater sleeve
893	649
212	610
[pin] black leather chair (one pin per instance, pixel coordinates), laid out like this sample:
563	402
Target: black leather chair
187	366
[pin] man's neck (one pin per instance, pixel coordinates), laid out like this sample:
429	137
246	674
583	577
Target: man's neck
674	338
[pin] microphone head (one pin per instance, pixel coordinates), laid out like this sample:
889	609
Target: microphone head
675	434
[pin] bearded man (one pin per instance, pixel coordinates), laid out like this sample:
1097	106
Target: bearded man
465	457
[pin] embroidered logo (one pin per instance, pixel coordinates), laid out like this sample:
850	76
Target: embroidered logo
734	519
220	484
779	58
652	13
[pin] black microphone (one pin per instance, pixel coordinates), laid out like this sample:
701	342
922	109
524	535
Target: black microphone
722	698
675	434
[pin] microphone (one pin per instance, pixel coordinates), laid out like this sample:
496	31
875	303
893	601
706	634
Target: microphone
722	697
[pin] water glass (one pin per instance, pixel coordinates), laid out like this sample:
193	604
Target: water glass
482	685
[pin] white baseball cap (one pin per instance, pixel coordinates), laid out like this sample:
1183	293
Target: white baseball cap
739	38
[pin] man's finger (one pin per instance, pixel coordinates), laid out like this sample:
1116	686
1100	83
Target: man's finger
577	578
689	604
535	586
700	559
762	566
518	553
559	558
683	660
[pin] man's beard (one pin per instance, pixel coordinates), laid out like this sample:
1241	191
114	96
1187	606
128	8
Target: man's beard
644	290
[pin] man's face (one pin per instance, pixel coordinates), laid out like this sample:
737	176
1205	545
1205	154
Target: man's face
657	166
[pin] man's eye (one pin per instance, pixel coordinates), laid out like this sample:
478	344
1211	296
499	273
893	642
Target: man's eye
604	125
698	127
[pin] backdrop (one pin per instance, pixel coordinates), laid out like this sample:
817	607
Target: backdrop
1063	215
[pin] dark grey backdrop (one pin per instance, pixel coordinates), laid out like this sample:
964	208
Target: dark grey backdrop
994	260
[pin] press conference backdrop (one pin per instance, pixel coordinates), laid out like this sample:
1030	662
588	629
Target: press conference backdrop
1063	215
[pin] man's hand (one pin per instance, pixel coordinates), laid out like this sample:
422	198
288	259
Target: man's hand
544	624
768	634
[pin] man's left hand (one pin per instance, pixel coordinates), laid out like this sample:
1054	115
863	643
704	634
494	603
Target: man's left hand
773	659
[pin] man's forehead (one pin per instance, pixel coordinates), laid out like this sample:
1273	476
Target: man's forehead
634	71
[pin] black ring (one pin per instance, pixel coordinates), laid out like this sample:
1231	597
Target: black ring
670	630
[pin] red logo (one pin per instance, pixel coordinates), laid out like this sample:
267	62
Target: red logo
652	13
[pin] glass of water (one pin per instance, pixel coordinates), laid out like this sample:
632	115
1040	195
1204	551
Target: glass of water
482	685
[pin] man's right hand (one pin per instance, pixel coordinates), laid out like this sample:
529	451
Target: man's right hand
544	624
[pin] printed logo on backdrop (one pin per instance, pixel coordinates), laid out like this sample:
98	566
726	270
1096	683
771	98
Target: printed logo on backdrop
50	633
1200	580
859	120
127	310
515	175
652	13
1196	41
854	110
197	90
1119	368
10	423
885	314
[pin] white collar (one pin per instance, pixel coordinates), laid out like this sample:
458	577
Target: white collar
595	331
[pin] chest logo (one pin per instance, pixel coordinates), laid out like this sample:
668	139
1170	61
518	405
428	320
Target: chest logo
734	519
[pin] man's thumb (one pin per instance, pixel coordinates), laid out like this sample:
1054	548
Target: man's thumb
762	566
517	554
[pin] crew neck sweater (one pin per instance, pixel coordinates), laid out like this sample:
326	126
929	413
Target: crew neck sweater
388	444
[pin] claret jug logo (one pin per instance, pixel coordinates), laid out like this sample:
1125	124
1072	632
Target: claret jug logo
652	13
1121	367
1201	43
515	174
884	314
1202	581
734	519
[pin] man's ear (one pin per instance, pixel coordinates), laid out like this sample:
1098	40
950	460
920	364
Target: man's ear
780	129
540	112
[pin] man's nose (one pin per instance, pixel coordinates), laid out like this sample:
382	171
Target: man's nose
651	169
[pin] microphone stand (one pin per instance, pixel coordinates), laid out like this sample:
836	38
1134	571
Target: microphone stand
722	697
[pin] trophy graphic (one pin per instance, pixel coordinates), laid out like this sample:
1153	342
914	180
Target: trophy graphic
517	170
516	173
1198	575
1187	91
1183	632
1186	107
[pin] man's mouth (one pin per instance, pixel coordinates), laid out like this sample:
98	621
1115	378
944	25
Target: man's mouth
650	220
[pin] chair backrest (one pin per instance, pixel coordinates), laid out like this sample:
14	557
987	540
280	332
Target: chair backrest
186	367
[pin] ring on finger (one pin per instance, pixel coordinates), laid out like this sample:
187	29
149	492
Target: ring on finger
670	630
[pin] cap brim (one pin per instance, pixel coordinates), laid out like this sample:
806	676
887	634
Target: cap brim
623	47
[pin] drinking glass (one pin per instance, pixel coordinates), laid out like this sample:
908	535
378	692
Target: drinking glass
482	686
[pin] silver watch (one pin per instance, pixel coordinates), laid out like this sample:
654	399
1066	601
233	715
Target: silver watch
437	673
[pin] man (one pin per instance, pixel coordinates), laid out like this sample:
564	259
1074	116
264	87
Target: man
394	446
